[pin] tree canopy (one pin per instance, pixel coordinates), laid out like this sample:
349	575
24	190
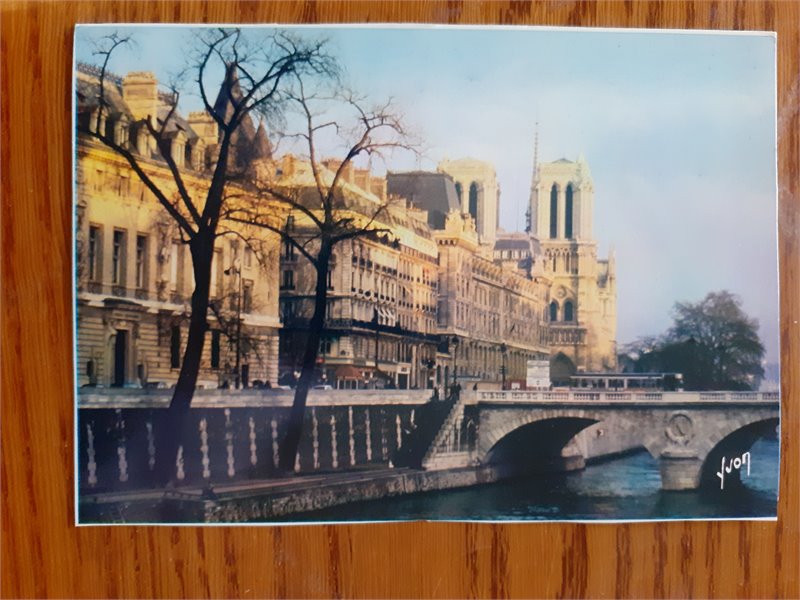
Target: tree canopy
713	343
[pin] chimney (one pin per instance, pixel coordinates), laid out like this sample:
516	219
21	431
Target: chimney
204	125
378	187
287	166
140	92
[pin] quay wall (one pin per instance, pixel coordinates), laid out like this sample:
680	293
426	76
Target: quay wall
257	506
262	502
235	436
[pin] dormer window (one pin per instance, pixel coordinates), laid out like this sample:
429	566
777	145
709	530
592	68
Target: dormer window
121	131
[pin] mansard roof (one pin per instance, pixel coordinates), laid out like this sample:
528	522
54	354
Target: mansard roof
261	143
250	144
434	192
88	90
517	241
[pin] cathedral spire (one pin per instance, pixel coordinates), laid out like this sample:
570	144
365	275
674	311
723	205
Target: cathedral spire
535	155
534	178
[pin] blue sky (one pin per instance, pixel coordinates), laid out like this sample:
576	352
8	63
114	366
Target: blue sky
678	130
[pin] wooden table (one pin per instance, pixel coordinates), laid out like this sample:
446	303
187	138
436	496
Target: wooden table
43	554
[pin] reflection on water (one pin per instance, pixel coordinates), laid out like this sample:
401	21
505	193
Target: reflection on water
625	488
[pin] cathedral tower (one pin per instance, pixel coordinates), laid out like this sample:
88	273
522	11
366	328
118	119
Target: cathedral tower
478	193
582	311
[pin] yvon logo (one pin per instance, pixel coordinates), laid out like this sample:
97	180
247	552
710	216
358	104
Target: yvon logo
736	463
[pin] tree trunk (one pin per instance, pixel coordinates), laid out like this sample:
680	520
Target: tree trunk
294	429
174	423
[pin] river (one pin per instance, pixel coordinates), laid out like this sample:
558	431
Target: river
624	488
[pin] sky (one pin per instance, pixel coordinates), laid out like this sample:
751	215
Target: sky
678	130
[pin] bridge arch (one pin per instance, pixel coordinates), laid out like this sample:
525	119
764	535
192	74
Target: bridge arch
730	442
535	441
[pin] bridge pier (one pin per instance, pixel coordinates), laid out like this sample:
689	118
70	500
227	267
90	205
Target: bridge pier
680	470
572	459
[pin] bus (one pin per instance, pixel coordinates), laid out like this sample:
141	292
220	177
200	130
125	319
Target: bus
668	382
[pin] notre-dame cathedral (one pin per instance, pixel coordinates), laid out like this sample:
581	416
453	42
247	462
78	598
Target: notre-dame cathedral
583	299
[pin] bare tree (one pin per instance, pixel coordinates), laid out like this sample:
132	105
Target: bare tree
256	74
326	213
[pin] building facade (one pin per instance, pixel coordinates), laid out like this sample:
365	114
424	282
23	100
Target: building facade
492	318
380	329
491	310
134	275
582	309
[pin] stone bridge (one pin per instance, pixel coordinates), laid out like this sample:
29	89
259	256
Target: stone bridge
689	433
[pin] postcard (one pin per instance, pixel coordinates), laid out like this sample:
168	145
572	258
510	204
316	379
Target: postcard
367	273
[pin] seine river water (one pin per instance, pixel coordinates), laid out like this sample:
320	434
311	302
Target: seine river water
623	488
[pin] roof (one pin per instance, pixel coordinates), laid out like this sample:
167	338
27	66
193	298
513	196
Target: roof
249	144
434	192
517	241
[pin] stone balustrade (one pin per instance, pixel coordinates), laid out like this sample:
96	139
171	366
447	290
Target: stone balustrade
276	398
582	396
118	447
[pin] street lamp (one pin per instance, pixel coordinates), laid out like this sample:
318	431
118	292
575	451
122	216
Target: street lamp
454	341
234	270
503	352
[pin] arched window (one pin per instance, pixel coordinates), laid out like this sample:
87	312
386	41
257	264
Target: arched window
460	194
553	311
568	214
569	311
187	155
473	201
553	212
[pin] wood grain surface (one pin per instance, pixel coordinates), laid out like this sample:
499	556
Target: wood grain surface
45	555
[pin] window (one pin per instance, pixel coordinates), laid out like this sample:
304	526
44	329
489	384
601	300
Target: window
118	258
553	311
287	311
568	214
288	280
123	185
95	246
141	261
187	155
288	250
473	201
554	212
173	265
215	337
569	311
330	279
248	256
460	194
247	295
215	273
175	347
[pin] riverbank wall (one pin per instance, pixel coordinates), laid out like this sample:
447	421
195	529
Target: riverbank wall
252	506
272	500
